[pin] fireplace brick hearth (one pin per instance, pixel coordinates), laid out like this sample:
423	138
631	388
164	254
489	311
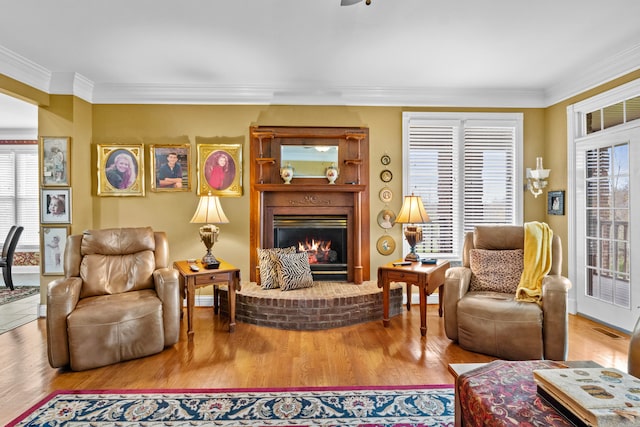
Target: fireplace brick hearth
326	305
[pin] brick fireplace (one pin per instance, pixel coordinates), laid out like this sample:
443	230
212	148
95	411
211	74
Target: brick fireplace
312	199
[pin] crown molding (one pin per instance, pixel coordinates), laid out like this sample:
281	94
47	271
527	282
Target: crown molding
350	96
71	83
593	75
20	68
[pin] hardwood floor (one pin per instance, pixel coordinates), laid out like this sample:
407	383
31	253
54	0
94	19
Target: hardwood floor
253	356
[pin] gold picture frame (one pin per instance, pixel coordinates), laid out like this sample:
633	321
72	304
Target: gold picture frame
219	169
120	170
163	175
53	241
55	161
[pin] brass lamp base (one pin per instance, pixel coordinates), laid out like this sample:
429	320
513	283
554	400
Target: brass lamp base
413	234
209	235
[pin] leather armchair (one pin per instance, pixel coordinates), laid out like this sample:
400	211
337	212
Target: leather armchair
119	299
494	323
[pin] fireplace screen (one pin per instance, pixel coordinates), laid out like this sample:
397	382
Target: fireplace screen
322	237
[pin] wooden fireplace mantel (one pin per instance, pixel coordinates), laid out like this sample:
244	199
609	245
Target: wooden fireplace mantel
349	196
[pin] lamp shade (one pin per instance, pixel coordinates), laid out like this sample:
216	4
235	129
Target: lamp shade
209	211
412	211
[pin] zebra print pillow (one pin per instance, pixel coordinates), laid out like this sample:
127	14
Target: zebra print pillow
293	270
268	272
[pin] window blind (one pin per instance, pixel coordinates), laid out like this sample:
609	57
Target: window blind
19	193
466	171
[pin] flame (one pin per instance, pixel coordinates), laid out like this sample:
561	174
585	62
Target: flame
317	250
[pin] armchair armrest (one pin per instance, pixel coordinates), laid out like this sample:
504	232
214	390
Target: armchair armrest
168	289
555	290
62	297
456	284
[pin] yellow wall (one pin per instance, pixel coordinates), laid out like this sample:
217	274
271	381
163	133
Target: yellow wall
178	123
544	135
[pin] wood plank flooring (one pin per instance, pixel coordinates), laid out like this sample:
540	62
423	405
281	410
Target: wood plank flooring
253	356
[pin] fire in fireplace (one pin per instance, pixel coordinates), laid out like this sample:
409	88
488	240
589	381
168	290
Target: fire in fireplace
322	237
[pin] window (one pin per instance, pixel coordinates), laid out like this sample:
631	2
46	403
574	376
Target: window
19	191
467	169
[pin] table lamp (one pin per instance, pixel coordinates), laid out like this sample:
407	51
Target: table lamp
412	212
209	212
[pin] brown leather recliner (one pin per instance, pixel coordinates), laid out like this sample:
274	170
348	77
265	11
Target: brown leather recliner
119	299
494	323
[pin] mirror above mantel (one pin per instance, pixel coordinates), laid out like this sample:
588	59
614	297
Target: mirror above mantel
309	161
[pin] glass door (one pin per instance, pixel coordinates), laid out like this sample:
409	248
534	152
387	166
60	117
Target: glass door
607	194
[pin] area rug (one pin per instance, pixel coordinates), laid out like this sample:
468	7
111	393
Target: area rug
7	295
398	406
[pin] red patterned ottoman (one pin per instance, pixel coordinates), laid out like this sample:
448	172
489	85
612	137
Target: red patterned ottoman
503	393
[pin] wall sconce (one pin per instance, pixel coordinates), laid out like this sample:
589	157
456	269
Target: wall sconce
537	178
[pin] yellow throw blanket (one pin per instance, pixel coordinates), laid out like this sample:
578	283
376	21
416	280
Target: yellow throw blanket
537	261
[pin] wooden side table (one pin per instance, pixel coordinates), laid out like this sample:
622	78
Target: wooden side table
428	278
226	273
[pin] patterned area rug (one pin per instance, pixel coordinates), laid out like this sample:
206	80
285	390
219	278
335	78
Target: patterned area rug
399	406
7	295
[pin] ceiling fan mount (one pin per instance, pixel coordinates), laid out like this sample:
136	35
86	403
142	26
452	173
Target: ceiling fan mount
351	2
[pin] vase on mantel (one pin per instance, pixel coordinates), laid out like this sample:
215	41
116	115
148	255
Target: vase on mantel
286	173
332	174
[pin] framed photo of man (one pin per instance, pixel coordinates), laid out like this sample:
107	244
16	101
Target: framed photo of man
170	167
54	240
55	206
120	170
220	169
55	155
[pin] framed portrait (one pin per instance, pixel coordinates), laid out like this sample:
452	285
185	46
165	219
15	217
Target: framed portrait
386	218
54	240
120	170
555	202
220	169
170	167
55	206
55	155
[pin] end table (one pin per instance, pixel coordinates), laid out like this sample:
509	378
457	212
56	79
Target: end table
226	273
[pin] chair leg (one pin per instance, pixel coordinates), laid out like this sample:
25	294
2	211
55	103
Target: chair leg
6	274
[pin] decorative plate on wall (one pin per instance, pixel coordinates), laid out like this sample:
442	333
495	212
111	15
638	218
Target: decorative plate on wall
386	175
385	160
386	195
386	245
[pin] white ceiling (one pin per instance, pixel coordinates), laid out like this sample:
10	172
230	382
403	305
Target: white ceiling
393	52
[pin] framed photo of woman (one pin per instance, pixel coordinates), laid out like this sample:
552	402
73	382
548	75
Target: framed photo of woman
120	170
54	240
170	167
55	206
220	169
55	154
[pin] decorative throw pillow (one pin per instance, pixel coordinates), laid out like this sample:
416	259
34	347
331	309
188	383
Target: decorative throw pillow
268	272
294	271
497	271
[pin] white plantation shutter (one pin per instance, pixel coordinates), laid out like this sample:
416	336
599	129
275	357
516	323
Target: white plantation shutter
466	168
489	175
433	177
19	193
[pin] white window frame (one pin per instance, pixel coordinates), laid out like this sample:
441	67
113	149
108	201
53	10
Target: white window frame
459	119
29	240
